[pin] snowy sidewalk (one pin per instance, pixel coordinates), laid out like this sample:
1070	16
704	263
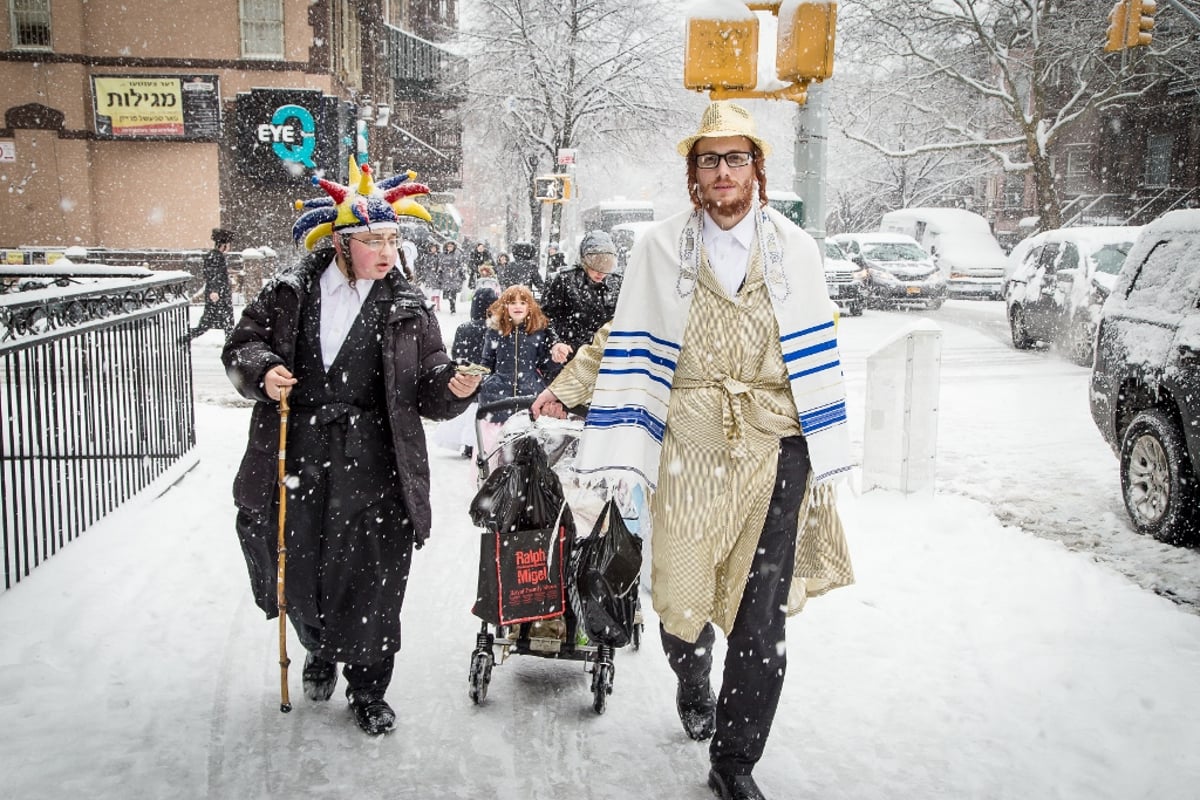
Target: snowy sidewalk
970	661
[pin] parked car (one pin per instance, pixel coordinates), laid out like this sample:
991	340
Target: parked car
1059	282
900	273
1145	387
961	244
845	280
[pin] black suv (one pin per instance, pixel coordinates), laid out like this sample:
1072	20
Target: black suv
1145	393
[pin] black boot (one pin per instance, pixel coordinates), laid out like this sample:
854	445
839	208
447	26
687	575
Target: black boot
320	677
371	712
697	707
733	787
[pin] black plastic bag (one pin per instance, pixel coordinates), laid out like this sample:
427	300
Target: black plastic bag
528	532
603	580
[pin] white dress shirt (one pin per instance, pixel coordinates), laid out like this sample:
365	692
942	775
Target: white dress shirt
340	304
729	251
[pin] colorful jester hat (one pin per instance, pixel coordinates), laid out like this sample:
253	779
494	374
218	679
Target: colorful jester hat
362	205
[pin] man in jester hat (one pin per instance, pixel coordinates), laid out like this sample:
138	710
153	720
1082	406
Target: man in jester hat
362	359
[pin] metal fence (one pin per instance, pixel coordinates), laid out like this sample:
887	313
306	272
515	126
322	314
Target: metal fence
95	398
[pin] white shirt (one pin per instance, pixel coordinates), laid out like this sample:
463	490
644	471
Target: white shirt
729	251
340	304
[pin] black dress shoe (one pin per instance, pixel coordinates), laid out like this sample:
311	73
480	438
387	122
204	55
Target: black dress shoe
372	713
733	787
697	707
320	676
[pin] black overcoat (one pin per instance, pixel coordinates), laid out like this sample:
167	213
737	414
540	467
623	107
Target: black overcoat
417	371
578	306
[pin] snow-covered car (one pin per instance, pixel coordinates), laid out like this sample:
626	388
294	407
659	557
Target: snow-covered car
845	280
1145	385
900	273
961	244
1059	282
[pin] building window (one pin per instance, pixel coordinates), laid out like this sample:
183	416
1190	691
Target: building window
30	23
1014	191
262	28
345	50
1079	158
1158	159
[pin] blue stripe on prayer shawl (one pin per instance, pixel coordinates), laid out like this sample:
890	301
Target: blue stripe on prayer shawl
819	368
645	334
626	415
639	352
806	331
637	371
812	350
823	417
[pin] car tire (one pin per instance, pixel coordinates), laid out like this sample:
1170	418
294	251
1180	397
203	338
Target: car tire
1020	329
1079	343
934	305
855	309
1157	483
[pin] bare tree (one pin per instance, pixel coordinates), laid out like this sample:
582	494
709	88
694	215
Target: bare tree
1006	77
549	75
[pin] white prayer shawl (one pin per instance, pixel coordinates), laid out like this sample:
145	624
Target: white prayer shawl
623	434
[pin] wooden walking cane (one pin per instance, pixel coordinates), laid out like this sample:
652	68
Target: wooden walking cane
285	704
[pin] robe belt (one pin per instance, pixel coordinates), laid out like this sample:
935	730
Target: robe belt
362	425
734	406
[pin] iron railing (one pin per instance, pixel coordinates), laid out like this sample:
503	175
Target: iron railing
95	398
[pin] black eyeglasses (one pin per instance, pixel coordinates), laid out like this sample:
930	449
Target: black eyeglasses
712	160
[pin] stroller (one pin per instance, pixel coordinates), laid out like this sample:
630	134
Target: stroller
528	537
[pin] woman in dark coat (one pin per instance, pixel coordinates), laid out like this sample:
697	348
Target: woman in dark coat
358	472
450	274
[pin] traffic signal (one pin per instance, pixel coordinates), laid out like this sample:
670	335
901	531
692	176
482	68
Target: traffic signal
554	188
804	45
1117	25
1140	22
721	53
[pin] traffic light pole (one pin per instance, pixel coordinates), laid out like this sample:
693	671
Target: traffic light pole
810	156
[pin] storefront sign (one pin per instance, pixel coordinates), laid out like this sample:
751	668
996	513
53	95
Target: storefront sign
8	152
157	106
284	134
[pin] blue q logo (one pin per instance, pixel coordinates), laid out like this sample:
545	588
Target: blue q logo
282	134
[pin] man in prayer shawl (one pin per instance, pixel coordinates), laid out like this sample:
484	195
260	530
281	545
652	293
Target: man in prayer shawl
718	387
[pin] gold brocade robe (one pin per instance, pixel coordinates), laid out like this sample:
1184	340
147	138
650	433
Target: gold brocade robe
730	404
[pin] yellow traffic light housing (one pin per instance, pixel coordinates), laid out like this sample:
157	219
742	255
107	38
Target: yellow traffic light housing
1140	22
804	46
1117	21
554	188
721	53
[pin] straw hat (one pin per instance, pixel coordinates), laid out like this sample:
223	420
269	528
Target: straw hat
723	118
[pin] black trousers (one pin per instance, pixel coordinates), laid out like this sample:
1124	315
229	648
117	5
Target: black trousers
756	658
367	678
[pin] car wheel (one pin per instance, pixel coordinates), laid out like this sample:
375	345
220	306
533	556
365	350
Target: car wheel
934	305
1079	343
1020	329
856	309
1156	478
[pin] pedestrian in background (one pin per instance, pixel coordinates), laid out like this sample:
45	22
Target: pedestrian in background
218	294
363	361
580	300
522	270
450	274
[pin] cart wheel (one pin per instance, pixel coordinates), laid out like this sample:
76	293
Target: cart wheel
481	675
637	637
602	682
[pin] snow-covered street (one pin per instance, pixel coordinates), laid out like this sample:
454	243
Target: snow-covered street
1004	639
